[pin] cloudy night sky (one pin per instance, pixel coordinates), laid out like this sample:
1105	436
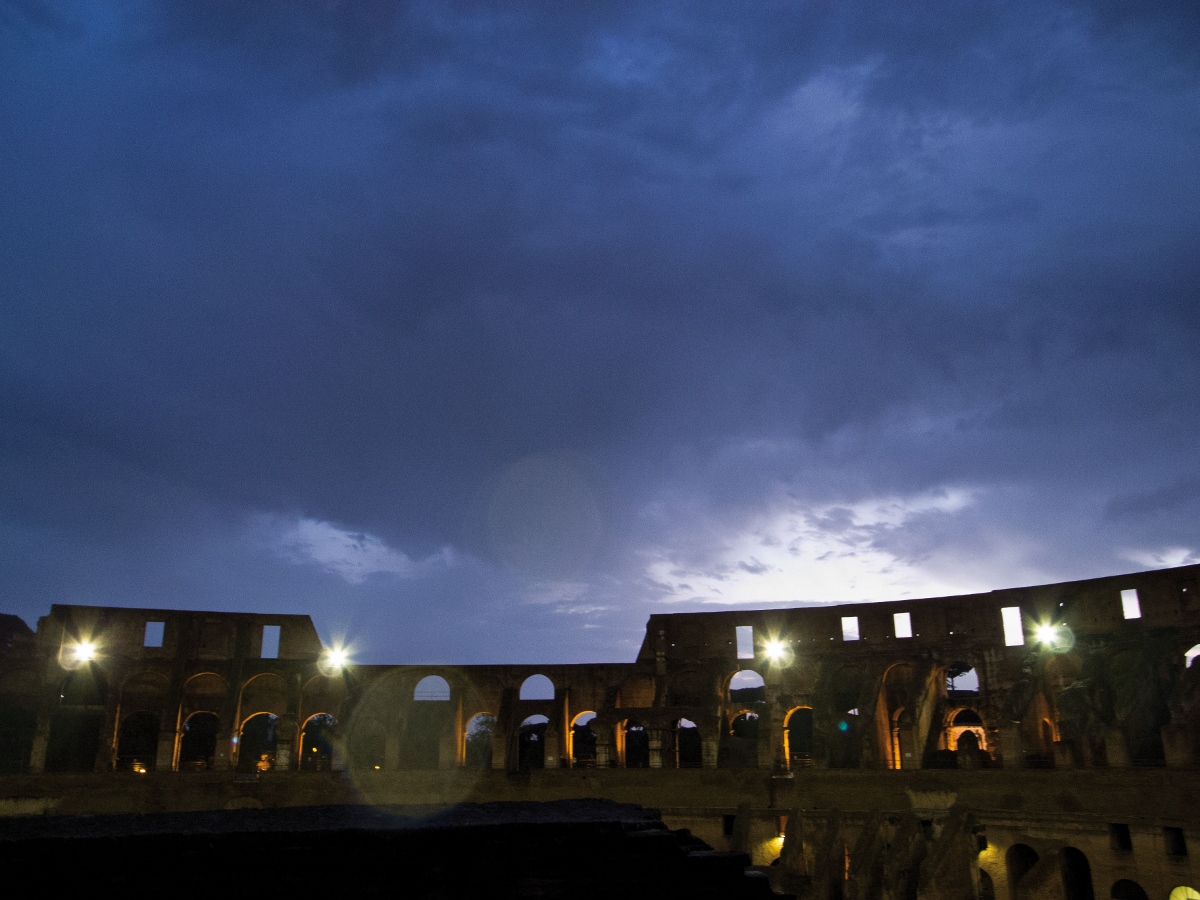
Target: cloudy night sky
481	332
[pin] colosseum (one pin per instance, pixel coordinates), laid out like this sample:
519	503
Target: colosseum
1037	742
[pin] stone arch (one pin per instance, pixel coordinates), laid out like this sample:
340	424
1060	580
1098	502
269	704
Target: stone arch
478	737
798	737
1076	874
962	681
429	721
897	690
258	742
987	890
964	720
77	725
323	694
739	742
531	743
582	749
198	741
1125	889
431	689
1183	892
1018	860
537	687
137	742
634	746
745	686
265	693
689	746
316	742
18	719
1188	658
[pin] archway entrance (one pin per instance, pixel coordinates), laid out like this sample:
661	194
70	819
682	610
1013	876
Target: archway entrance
257	743
316	743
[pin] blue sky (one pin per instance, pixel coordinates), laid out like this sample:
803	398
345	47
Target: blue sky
480	333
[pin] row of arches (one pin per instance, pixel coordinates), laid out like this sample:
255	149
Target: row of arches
1074	872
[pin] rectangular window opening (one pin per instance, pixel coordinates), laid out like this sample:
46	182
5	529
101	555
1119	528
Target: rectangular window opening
850	628
903	623
1129	604
270	642
1176	845
745	641
1120	838
154	634
1014	630
727	825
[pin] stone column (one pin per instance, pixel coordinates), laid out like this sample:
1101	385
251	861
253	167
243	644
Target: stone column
41	740
1010	746
553	751
285	742
1063	757
710	746
603	749
1116	749
656	744
910	757
1177	749
164	759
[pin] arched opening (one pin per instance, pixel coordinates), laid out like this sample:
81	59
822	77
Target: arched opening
583	741
739	743
203	693
798	737
689	749
137	743
198	742
1188	659
637	746
316	743
987	890
479	734
18	719
75	727
1076	875
966	724
432	688
747	686
899	689
1019	859
1127	890
537	687
962	681
531	743
429	719
257	743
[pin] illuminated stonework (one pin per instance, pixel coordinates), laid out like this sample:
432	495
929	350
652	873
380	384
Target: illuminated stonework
1042	720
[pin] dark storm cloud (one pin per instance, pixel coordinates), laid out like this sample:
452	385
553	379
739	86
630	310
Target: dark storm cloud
490	323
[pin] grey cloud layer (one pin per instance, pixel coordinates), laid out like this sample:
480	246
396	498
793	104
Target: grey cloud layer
353	263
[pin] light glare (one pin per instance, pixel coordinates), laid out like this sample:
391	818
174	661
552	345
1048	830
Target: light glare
85	651
1047	634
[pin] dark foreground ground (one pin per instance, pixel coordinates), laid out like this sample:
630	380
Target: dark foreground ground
562	849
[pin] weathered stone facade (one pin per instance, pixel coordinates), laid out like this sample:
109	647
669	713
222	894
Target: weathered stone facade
913	748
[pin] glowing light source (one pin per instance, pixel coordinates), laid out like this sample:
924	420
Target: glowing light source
775	650
334	660
85	651
1047	634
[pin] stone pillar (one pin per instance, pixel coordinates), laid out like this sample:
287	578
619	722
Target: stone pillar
1011	748
1063	757
910	756
553	751
1177	749
654	735
391	747
499	746
337	749
709	747
603	749
285	743
41	740
164	759
223	755
448	750
1116	749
